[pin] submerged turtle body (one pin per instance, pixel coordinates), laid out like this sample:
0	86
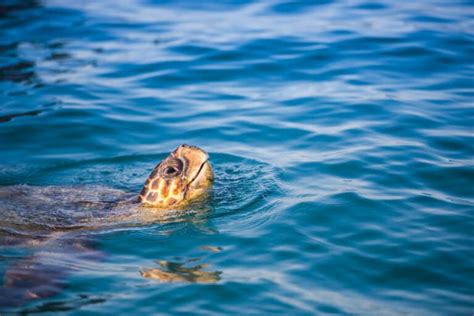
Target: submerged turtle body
57	208
52	217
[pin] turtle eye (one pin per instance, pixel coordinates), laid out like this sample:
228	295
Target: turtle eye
170	171
172	168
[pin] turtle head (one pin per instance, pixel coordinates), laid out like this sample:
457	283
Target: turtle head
184	176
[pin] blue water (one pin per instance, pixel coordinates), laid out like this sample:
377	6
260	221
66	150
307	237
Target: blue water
341	133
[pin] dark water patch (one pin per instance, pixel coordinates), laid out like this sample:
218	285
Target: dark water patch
13	6
9	117
292	7
372	6
21	71
68	305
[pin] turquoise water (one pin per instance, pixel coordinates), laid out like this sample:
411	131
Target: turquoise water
341	133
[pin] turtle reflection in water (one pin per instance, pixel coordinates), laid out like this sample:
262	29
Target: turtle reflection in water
177	272
56	218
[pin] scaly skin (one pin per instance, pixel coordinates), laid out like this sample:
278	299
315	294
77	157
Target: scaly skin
183	176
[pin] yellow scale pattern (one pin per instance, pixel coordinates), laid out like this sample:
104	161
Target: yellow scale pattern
161	192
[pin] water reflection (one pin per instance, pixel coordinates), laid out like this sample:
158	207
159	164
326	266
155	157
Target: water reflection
170	271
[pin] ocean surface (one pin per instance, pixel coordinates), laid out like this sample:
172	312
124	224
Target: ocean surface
341	134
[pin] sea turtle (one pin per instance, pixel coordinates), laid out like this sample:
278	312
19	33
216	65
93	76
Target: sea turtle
54	217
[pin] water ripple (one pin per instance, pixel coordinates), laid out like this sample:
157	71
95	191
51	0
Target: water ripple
340	133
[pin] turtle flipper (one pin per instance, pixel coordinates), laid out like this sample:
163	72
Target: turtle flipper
31	279
44	274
